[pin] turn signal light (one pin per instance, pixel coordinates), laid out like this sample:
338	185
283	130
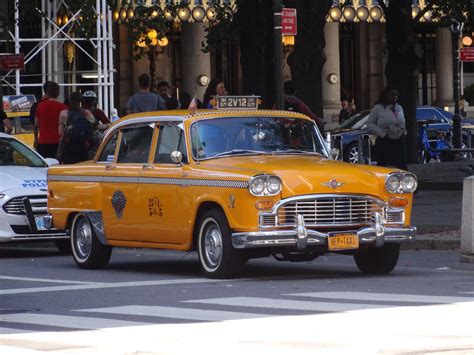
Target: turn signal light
398	202
264	205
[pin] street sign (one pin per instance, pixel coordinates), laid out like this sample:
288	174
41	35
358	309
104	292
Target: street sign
466	54
288	22
12	61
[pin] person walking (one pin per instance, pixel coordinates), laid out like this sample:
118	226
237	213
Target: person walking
292	103
89	102
215	88
144	100
46	135
75	126
387	122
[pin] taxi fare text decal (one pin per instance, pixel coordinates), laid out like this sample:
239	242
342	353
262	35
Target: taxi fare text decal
152	180
155	207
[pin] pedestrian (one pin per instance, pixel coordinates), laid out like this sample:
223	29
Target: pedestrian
184	100
75	127
347	110
6	125
35	105
46	135
144	100
292	103
387	122
114	115
215	88
172	103
89	102
163	89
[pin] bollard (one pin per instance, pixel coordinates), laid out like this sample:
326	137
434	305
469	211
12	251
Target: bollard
467	224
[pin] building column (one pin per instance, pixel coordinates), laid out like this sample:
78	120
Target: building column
331	83
444	67
194	62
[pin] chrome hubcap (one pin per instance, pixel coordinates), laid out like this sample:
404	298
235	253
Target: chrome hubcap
213	246
83	238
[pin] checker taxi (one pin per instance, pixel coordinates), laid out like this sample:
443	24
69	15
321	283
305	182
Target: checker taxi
231	184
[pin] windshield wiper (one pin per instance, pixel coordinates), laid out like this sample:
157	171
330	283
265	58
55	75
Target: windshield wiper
239	151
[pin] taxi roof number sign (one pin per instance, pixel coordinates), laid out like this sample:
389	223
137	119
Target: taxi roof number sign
237	102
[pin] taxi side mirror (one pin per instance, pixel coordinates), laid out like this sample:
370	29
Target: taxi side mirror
176	157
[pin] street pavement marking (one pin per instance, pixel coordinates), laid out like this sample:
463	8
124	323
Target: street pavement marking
257	302
67	321
106	285
176	313
13	331
389	297
16	278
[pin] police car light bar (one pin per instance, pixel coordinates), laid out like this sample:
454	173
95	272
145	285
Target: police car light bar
237	102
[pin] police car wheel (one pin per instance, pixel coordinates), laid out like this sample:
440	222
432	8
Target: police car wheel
87	251
217	256
378	260
351	153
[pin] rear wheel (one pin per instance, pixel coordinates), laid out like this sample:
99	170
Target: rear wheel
378	260
87	251
351	153
217	256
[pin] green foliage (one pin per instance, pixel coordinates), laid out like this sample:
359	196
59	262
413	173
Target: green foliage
222	30
444	11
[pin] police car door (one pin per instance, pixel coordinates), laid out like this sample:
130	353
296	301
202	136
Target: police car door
120	203
159	212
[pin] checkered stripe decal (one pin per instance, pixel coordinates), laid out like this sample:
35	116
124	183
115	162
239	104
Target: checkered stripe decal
153	180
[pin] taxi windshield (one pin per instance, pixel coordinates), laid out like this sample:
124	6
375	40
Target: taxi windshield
15	153
254	135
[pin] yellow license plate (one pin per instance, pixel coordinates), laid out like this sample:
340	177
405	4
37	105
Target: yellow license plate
343	241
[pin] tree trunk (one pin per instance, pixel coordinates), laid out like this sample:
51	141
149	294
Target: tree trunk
402	66
307	59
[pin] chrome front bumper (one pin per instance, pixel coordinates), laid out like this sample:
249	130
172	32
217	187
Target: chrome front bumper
300	237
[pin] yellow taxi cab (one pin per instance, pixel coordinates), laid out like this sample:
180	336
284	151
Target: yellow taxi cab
23	128
231	184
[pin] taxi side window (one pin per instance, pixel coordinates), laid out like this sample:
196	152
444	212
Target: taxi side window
135	144
171	138
107	155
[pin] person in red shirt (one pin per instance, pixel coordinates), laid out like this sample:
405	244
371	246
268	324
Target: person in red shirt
46	123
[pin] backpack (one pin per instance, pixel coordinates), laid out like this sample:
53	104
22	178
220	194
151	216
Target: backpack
78	132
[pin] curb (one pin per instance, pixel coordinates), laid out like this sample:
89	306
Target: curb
434	241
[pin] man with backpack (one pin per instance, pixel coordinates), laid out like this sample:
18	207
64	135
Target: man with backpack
75	128
292	103
89	102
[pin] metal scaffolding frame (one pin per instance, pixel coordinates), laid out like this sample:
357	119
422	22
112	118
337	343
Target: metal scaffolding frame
49	47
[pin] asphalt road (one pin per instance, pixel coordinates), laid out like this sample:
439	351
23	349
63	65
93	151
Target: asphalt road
158	302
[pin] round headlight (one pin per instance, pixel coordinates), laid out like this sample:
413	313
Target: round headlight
273	185
257	186
393	183
409	183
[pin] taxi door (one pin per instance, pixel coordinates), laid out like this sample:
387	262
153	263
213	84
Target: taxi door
159	213
120	203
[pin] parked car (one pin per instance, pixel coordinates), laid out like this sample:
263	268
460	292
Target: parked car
23	191
352	131
232	185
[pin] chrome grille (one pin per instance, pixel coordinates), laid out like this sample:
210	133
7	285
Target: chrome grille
16	206
395	217
325	211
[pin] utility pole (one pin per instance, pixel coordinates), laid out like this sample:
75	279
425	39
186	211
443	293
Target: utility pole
278	51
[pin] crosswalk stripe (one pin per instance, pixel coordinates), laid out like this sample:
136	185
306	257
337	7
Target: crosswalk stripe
257	302
389	297
66	321
176	313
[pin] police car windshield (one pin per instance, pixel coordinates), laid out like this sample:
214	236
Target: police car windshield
14	153
220	137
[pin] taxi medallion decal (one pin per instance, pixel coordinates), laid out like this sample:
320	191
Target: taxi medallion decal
118	203
333	184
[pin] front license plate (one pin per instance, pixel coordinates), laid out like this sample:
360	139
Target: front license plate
342	241
39	223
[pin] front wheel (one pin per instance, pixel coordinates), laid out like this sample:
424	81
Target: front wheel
217	255
87	251
378	260
351	153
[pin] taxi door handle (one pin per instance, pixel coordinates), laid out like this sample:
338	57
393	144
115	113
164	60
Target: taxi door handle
110	167
148	166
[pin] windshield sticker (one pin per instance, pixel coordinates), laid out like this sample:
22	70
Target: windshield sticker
118	203
33	183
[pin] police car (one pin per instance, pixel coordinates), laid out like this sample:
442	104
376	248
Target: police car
23	199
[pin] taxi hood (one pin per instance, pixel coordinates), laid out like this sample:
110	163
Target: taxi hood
21	177
304	174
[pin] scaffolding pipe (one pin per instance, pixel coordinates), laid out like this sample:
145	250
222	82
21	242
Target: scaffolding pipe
103	18
110	69
99	54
